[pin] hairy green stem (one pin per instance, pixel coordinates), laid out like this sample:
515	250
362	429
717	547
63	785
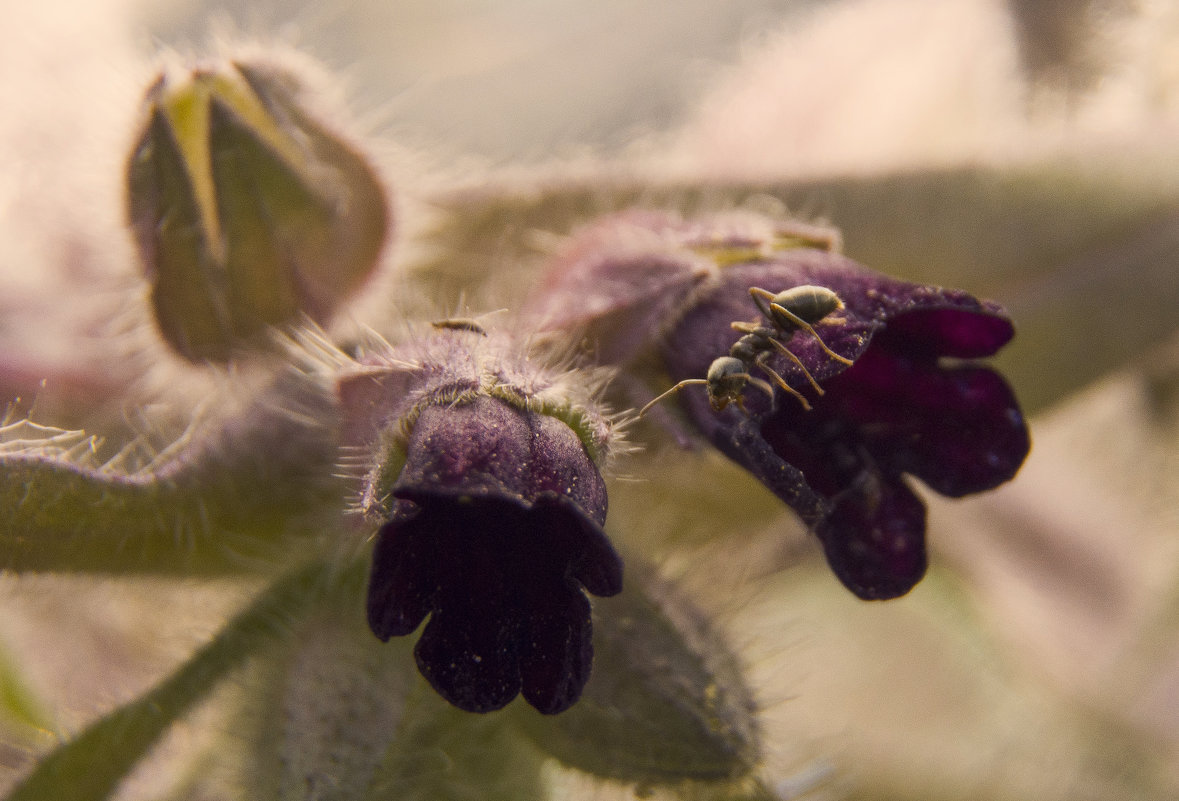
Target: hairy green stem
90	766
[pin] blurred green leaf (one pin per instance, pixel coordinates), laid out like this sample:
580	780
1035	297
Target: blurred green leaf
321	713
667	701
22	713
442	752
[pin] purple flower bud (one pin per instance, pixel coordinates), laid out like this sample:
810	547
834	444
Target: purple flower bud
495	513
911	403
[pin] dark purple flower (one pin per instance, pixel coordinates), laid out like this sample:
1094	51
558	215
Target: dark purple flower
912	403
494	529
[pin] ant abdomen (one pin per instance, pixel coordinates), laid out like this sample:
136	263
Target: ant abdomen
807	303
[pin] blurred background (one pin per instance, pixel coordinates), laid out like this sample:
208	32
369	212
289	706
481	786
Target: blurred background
1023	150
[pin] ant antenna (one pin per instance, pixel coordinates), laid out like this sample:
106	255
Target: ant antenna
686	382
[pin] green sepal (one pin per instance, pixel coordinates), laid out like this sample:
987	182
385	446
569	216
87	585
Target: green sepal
337	260
169	226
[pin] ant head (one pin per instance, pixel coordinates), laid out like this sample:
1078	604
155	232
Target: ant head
727	377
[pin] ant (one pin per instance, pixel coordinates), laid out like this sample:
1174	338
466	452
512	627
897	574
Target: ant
787	311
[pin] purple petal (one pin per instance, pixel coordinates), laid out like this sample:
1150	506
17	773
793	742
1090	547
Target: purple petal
557	651
500	582
490	449
584	550
598	567
874	538
468	653
403	581
956	332
958	429
615	282
928	320
759	452
475	450
560	466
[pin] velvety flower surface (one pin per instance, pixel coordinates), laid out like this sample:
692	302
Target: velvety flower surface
496	530
912	403
617	281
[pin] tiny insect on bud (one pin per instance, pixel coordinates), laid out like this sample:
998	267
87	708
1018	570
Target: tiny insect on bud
246	212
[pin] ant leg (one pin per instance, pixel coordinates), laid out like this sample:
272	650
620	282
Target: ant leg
803	324
780	381
764	386
785	351
760	297
672	391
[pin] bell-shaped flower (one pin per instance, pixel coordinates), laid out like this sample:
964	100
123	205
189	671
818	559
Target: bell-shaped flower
837	448
485	471
827	381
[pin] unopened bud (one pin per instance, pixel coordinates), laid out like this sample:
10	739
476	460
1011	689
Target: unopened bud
246	211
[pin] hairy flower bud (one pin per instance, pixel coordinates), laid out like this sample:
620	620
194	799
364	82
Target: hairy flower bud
246	211
486	476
